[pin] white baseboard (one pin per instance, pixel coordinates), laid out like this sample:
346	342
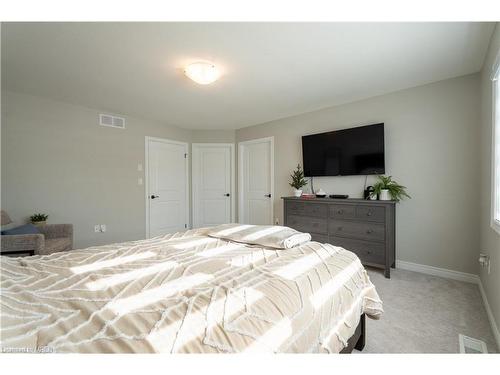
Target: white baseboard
455	275
491	318
435	271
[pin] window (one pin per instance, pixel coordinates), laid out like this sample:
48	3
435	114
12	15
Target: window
495	170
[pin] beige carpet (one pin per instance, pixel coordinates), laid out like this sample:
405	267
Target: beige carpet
425	314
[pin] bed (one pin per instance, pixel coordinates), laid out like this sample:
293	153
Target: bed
232	288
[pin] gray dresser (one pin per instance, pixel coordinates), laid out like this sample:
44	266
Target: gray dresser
367	228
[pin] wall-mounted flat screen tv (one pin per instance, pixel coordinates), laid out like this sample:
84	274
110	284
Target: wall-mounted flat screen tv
347	152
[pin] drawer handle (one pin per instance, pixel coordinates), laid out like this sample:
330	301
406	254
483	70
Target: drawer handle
369	213
368	252
339	228
369	231
340	212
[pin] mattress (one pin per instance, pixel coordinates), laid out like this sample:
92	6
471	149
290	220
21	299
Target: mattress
185	293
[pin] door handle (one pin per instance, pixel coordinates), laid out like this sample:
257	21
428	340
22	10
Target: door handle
154	196
267	195
227	195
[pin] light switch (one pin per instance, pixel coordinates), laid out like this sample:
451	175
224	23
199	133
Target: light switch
139	167
103	227
139	181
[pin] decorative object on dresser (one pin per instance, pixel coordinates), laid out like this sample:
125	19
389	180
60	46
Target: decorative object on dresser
369	193
339	196
31	240
365	227
298	180
320	193
387	189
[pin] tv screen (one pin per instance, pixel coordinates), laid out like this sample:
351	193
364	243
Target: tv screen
354	151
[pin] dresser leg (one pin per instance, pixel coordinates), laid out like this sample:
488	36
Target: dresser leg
387	272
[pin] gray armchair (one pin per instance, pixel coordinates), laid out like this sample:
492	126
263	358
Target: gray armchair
58	237
52	238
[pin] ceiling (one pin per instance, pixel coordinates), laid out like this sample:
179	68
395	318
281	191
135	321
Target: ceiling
270	70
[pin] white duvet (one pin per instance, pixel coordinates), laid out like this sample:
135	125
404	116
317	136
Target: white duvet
186	292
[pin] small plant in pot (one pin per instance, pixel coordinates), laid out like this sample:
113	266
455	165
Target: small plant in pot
39	219
388	189
298	181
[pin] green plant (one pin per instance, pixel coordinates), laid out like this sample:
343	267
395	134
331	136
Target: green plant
396	190
38	217
298	180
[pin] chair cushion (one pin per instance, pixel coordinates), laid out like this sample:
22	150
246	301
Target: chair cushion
55	245
23	229
5	219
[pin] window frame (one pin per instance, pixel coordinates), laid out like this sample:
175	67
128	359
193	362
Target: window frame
495	151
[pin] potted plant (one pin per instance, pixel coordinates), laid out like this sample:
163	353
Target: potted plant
39	219
388	189
298	181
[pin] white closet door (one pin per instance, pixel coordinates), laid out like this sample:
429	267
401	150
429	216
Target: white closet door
167	188
213	186
256	180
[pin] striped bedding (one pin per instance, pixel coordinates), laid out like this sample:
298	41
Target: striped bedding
185	293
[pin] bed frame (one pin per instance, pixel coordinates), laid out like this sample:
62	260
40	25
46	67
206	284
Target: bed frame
357	341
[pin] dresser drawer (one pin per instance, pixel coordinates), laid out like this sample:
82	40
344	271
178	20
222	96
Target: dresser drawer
342	211
358	230
316	210
368	213
368	252
307	224
295	208
319	238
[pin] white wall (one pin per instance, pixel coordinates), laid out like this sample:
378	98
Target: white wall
432	147
57	159
490	240
213	136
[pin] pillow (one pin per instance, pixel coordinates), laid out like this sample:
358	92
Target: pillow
274	236
23	229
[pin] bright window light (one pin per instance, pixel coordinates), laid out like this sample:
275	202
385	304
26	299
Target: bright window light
495	170
273	338
303	264
219	250
235	229
197	323
354	309
193	243
125	305
327	291
247	259
111	262
263	232
120	278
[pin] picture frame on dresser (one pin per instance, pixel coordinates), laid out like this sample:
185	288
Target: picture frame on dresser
365	227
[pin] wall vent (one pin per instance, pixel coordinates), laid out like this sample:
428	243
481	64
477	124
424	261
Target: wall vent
469	345
112	121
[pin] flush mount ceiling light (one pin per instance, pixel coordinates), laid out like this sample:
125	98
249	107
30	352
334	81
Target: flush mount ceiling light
203	73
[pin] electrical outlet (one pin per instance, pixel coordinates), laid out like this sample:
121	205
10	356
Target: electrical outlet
484	261
103	228
276	221
97	228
